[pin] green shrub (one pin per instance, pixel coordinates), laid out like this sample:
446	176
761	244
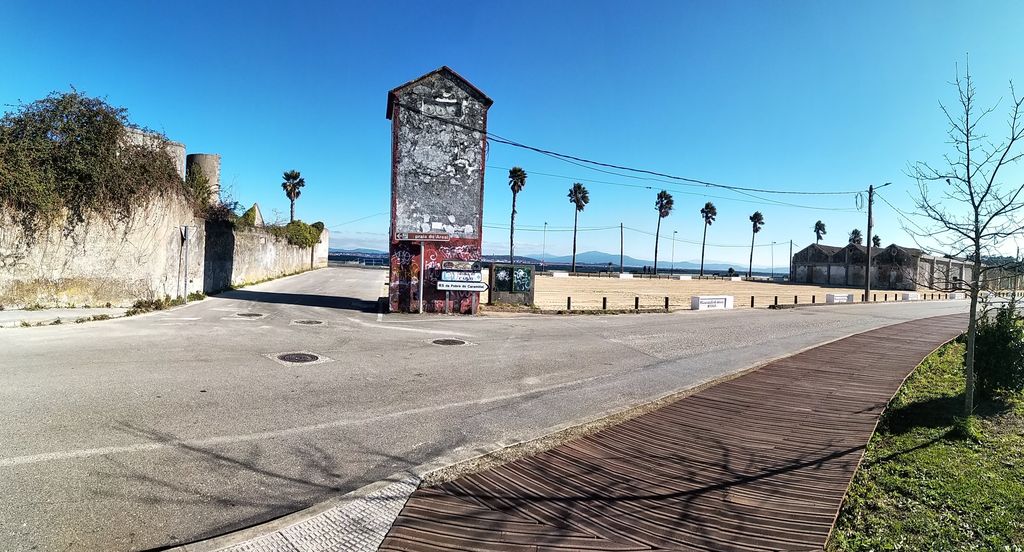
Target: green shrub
999	352
248	218
68	156
299	233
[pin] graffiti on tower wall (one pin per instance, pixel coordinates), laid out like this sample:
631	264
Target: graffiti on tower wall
438	156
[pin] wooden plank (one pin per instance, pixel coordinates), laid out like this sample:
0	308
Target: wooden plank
761	462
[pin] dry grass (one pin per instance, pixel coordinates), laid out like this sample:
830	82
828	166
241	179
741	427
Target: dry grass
587	292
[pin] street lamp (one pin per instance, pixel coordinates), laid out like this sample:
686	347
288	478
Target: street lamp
544	248
673	271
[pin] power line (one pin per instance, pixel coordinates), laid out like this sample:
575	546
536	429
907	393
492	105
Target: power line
902	215
592	164
358	219
693	242
759	200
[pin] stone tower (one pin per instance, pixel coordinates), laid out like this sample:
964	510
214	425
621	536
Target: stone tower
210	165
438	149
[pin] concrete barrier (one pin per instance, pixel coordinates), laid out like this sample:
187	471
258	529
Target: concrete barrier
682	277
736	278
711	302
911	296
839	298
626	275
559	274
958	295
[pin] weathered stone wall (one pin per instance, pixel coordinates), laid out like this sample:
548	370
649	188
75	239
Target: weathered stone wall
101	261
436	186
120	262
242	256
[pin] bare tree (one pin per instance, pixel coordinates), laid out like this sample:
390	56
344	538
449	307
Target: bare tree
971	208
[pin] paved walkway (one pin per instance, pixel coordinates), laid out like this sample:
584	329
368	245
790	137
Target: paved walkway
761	462
15	318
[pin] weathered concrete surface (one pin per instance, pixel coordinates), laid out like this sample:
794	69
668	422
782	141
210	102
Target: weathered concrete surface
119	262
437	185
101	260
170	427
236	257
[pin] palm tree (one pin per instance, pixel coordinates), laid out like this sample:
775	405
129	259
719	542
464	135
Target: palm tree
819	231
578	196
292	186
757	221
516	181
876	241
708	213
664	206
856	237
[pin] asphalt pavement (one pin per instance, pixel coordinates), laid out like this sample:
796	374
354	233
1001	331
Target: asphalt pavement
175	426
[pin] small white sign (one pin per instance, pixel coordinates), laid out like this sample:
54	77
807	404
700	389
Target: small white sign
682	277
711	302
459	276
559	274
626	275
839	298
461	286
911	296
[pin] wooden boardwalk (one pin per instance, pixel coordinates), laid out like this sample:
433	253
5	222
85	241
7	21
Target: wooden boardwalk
761	462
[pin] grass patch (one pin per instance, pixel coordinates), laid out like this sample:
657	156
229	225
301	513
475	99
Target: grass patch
149	305
931	480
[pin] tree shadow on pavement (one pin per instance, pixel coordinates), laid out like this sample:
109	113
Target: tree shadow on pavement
304	299
622	497
312	474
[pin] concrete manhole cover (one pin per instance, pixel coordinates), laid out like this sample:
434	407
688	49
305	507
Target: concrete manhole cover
308	322
448	341
294	358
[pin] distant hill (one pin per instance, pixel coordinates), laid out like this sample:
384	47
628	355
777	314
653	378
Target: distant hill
602	258
358	250
592	259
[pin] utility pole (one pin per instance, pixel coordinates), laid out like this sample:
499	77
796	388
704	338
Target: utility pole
544	248
673	269
867	262
790	260
621	240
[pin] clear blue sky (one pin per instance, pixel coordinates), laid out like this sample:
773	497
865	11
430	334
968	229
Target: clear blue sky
787	95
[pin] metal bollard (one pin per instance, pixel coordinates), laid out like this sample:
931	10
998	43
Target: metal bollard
636	303
666	304
812	299
776	299
604	303
568	303
796	300
751	301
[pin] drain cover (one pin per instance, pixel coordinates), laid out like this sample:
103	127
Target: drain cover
309	322
298	358
249	315
448	341
293	358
